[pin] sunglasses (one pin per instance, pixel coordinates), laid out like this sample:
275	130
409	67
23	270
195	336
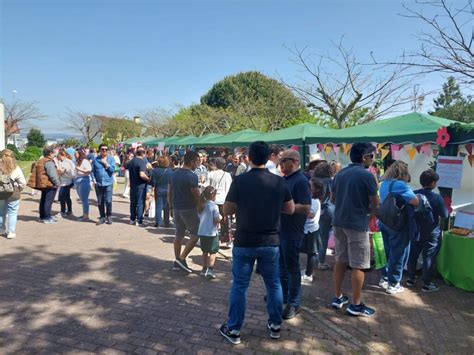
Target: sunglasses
104	149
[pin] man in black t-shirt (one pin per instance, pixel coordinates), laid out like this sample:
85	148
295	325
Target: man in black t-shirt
292	231
257	198
138	183
183	195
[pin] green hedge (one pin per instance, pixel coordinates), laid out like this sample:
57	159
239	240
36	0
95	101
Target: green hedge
30	154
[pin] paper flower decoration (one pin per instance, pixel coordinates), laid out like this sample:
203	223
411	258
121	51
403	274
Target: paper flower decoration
443	137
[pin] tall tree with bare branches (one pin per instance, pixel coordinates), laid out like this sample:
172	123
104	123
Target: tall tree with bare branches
446	43
18	114
343	92
89	126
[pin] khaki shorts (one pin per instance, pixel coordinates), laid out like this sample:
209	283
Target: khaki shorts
352	247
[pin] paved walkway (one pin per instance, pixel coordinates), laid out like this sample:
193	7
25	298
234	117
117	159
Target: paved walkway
80	288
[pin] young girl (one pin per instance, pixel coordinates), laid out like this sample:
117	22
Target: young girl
311	230
209	218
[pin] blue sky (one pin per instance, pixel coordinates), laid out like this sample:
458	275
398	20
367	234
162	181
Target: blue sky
117	56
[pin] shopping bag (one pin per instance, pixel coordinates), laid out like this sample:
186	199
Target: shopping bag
379	250
151	210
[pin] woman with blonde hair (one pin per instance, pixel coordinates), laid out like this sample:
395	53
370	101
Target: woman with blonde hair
9	205
396	243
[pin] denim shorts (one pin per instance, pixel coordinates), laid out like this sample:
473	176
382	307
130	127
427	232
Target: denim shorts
186	220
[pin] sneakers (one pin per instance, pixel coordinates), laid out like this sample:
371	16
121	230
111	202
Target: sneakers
290	312
410	282
210	274
101	221
360	310
108	220
306	280
11	235
392	289
274	331
176	267
431	287
383	282
324	267
231	335
183	265
339	302
49	221
83	219
202	273
132	222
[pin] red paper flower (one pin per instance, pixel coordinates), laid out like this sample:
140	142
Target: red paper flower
447	203
443	136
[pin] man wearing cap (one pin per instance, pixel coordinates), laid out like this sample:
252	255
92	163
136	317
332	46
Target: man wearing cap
292	231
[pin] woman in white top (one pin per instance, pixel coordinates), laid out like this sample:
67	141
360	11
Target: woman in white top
67	173
9	205
83	182
221	180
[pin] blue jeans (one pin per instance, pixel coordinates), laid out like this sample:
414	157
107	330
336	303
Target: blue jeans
137	202
429	248
290	272
65	198
397	249
10	209
161	202
46	203
104	200
243	260
83	189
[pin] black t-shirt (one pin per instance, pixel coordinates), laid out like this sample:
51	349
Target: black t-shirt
182	181
352	186
134	167
292	226
259	196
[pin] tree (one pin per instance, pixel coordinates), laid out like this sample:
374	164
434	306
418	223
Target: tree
88	126
452	104
342	92
260	102
116	130
446	44
17	114
35	138
156	122
71	142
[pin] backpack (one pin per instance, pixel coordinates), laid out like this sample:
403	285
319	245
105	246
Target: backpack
390	213
425	218
6	186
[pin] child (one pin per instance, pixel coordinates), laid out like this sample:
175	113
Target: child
209	218
430	234
311	228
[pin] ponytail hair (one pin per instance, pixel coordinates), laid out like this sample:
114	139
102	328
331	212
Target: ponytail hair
206	195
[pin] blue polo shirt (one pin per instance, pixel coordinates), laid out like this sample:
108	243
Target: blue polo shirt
352	187
292	226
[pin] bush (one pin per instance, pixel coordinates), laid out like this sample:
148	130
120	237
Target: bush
31	154
15	151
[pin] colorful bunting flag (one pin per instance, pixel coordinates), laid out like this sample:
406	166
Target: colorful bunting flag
327	149
411	153
347	148
384	153
471	159
320	147
418	149
426	149
380	146
336	148
469	148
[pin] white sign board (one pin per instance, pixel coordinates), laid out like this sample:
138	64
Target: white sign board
161	146
449	170
464	219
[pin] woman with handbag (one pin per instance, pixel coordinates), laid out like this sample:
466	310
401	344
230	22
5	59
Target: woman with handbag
160	178
9	206
395	194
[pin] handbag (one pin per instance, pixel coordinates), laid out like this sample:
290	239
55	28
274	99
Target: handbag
390	214
379	250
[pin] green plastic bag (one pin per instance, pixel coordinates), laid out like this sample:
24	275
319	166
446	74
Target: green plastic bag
379	250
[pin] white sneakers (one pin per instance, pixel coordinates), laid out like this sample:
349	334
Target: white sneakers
306	280
11	235
392	289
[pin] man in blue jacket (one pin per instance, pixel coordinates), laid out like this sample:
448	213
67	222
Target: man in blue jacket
103	168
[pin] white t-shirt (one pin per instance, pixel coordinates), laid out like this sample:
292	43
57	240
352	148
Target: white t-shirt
18	177
69	172
207	228
312	224
85	165
272	167
220	180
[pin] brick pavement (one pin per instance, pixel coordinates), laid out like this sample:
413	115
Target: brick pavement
80	288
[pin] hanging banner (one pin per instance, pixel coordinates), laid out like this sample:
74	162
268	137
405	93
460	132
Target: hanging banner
384	153
411	153
313	149
449	170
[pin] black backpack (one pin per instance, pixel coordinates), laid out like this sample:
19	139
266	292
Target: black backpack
390	213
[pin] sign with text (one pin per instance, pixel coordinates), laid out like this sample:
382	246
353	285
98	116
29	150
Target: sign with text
449	170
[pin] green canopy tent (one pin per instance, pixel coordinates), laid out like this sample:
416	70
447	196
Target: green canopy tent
410	128
204	140
233	138
186	140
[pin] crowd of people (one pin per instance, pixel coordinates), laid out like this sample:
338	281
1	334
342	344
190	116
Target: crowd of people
278	212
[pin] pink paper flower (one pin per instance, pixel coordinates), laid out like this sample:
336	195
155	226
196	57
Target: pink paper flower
443	137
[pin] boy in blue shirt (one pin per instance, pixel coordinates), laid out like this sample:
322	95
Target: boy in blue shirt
430	235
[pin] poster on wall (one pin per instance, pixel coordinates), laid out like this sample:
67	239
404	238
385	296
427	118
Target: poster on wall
449	170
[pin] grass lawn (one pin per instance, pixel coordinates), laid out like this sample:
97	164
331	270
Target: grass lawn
26	167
